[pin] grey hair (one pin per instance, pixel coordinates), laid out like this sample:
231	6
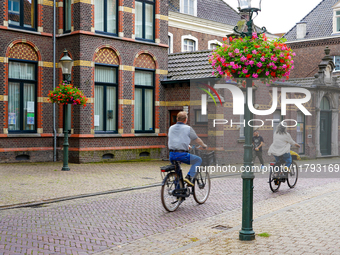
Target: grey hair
280	129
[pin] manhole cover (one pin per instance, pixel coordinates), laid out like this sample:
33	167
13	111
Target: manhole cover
221	227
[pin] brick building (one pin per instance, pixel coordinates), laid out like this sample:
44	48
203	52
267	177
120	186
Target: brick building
318	134
120	55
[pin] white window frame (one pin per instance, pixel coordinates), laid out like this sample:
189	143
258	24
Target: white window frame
189	37
335	17
182	7
213	42
171	46
335	70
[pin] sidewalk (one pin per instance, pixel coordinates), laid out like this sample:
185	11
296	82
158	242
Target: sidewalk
22	183
304	222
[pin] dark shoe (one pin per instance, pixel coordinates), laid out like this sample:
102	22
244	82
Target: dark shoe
188	180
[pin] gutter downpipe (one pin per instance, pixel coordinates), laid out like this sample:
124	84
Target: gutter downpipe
54	80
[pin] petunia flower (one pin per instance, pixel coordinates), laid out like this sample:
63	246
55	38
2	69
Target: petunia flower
259	64
255	75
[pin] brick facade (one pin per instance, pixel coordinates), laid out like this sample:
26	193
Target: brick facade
86	48
203	39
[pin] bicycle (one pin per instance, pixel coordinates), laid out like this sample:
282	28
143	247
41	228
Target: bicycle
174	190
279	174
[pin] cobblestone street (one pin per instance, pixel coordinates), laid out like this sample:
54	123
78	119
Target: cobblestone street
135	222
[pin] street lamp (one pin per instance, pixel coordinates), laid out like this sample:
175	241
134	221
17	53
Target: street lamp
66	64
247	233
250	7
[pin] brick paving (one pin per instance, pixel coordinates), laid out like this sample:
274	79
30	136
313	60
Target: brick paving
134	222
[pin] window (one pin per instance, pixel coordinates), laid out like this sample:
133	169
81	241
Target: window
105	16
199	118
277	118
22	13
170	43
300	131
22	97
144	101
189	45
144	19
336	61
105	99
213	46
189	7
337	19
67	16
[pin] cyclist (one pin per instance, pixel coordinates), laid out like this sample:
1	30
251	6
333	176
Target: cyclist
281	145
180	136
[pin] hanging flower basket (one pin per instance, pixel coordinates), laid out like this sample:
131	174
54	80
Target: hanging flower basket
67	94
255	57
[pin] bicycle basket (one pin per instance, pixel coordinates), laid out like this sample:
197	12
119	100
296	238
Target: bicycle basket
208	158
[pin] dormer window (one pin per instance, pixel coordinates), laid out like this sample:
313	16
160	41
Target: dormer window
189	7
337	18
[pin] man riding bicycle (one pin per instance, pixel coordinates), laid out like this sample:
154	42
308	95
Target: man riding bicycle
180	135
281	145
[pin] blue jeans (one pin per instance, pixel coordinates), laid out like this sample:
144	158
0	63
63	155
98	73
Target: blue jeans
186	158
286	157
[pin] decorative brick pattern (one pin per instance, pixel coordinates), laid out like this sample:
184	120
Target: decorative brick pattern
107	56
145	61
23	51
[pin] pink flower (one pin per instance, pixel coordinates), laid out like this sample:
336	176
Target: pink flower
232	63
230	54
292	67
294	54
271	64
274	67
235	66
255	75
222	60
284	66
213	62
255	35
245	71
220	72
213	73
243	58
282	55
263	59
259	64
251	62
292	62
275	59
237	51
267	73
254	52
218	68
247	63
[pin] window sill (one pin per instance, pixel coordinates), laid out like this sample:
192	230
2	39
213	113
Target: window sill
107	135
241	140
23	30
23	135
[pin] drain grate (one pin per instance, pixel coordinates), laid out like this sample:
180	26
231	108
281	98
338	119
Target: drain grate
221	227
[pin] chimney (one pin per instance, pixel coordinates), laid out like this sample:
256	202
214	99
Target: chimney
301	30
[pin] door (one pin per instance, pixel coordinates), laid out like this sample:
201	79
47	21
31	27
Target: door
173	117
325	132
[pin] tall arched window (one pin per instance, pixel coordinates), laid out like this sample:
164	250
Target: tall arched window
144	94
22	89
106	92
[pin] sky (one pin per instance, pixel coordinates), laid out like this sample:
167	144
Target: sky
279	16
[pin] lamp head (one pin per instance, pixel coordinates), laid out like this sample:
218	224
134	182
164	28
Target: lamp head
249	5
66	63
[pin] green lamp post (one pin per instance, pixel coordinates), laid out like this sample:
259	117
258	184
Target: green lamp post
66	64
247	233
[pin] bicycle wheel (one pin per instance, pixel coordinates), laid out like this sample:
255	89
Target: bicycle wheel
201	189
274	183
170	202
292	175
